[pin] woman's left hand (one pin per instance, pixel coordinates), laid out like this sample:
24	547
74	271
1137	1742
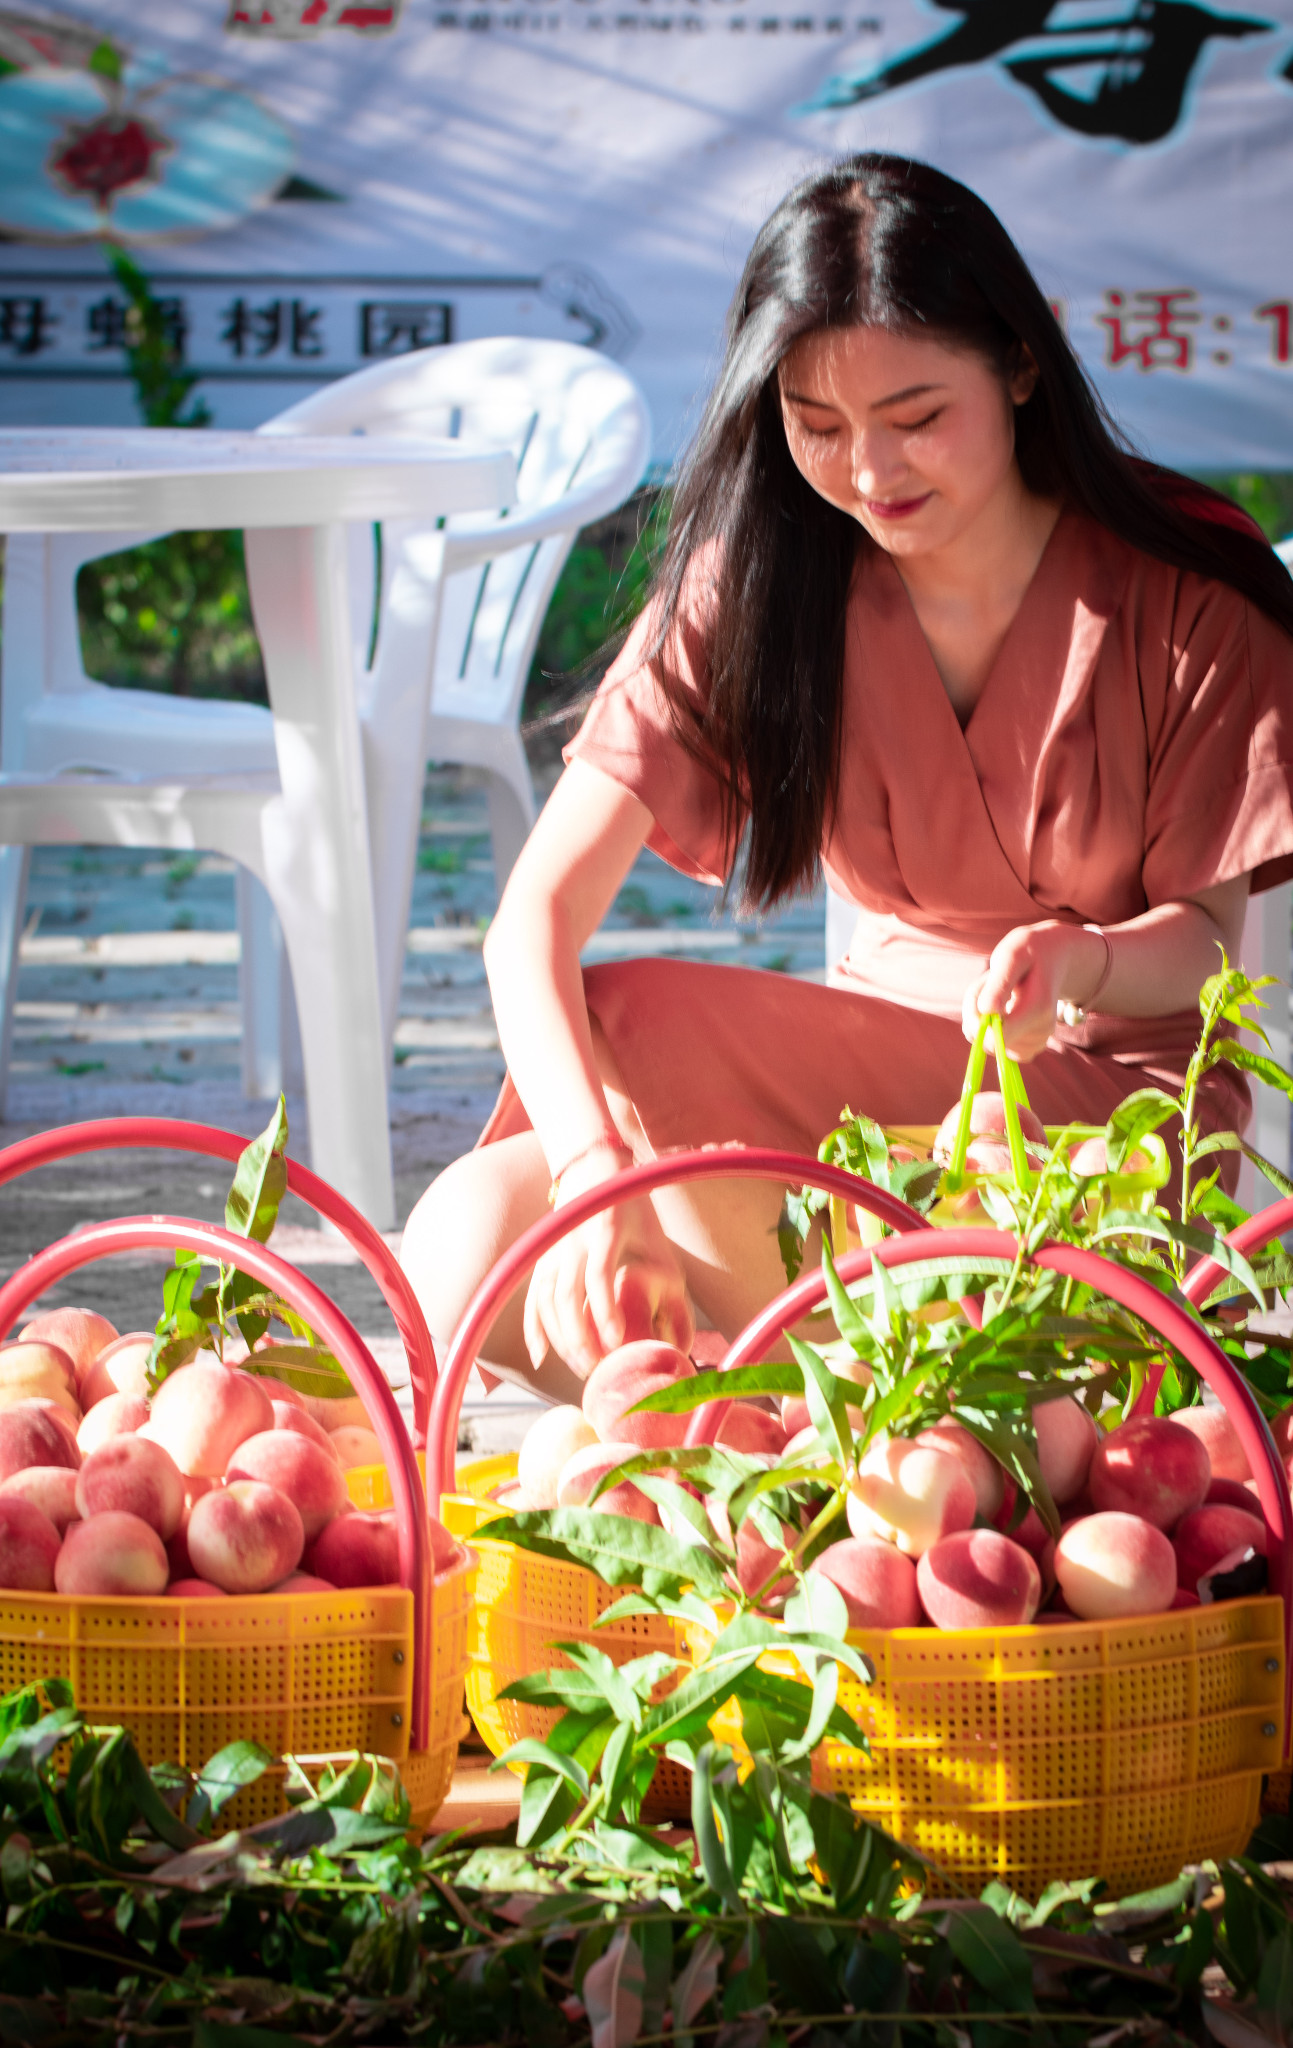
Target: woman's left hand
1034	967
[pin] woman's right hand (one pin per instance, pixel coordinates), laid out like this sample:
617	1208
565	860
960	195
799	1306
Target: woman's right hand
613	1280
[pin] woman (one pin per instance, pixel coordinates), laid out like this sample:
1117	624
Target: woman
923	622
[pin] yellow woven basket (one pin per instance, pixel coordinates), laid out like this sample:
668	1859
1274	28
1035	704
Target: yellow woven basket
1114	1749
313	1675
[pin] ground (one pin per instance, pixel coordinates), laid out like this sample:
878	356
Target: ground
128	1005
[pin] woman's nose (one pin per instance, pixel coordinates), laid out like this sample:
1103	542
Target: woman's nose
877	465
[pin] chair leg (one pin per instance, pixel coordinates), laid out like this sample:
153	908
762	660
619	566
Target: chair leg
15	865
511	815
261	970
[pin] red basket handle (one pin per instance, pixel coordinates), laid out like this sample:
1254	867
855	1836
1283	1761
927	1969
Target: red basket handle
1131	1292
165	1233
1270	1222
168	1134
754	1162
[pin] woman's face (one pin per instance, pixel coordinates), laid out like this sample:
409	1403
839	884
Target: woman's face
913	438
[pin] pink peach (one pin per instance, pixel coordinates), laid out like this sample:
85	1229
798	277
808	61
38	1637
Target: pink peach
245	1536
985	1474
1031	1533
279	1390
307	1474
115	1415
976	1578
550	1443
447	1552
30	1436
121	1368
1067	1437
78	1331
627	1376
1153	1468
203	1412
987	1120
751	1429
1111	1565
303	1582
135	1477
580	1474
356	1550
194	1589
296	1419
112	1555
1207	1534
51	1488
29	1546
909	1496
1220	1439
355	1446
877	1580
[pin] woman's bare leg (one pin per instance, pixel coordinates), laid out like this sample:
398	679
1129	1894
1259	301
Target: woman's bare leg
723	1231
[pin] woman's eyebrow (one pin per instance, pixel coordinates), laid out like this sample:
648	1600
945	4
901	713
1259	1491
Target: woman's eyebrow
900	397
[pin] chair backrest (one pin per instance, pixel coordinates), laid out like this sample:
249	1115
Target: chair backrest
579	430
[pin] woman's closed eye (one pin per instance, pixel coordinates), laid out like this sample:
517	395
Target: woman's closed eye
918	426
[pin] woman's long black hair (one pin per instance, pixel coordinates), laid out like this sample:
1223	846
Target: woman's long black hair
876	241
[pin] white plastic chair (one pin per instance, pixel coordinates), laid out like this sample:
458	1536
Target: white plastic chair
580	432
55	720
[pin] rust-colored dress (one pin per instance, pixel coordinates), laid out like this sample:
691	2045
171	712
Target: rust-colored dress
1133	744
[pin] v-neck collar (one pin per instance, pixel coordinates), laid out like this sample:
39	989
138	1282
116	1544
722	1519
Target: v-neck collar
1039	579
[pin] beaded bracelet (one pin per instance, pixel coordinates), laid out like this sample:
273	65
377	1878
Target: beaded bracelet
608	1140
1074	1014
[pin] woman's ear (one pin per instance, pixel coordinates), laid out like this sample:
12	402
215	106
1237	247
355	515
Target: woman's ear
1022	381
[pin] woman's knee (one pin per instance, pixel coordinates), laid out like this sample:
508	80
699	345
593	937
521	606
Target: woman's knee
466	1219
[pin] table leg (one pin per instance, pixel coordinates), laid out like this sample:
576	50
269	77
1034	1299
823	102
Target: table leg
316	858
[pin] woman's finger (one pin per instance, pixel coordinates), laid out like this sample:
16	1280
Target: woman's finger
602	1294
574	1334
536	1317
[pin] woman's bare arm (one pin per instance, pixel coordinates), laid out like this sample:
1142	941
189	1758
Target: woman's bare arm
1157	964
617	1276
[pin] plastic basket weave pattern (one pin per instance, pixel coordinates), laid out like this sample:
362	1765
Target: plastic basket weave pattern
378	1669
1121	1749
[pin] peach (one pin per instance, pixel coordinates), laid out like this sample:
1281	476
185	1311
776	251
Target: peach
203	1412
357	1550
580	1474
37	1371
909	1496
1092	1156
1110	1565
1031	1533
278	1390
1153	1468
1232	1493
976	1578
121	1368
51	1488
29	1435
550	1443
303	1582
877	1580
1067	1437
751	1429
29	1546
794	1408
194	1589
985	1474
627	1376
1207	1534
1220	1439
447	1552
288	1417
135	1477
245	1536
116	1415
112	1554
354	1446
334	1411
307	1474
78	1331
987	1120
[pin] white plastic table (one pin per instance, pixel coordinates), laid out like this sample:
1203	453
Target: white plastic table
293	497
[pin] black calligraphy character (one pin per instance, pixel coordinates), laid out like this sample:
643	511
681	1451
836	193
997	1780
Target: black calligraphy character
1143	61
110	323
26	325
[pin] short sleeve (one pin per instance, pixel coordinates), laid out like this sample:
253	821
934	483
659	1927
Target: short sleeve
1220	729
628	734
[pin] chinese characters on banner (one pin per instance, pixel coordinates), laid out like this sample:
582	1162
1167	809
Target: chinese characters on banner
331	182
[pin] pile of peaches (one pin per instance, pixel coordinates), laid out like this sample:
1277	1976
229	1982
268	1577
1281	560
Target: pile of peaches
220	1482
1151	1511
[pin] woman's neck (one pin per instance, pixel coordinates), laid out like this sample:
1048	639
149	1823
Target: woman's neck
965	595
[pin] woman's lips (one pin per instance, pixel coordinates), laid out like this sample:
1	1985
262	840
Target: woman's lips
896	508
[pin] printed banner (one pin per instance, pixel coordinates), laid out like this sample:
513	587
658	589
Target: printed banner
314	185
